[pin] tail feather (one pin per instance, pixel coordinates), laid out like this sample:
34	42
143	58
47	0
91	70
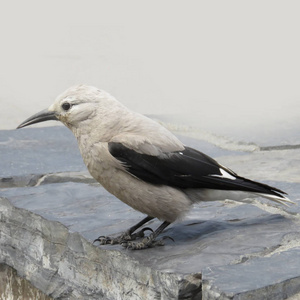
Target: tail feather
279	199
262	190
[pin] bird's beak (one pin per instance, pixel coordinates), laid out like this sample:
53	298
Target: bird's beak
44	115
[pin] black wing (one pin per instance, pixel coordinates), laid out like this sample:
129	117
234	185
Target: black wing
188	168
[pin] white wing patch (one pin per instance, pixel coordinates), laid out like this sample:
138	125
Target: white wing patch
224	174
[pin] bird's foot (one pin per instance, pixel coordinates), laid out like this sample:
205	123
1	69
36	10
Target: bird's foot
147	242
123	238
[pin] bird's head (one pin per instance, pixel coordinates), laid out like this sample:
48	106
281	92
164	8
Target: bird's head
73	107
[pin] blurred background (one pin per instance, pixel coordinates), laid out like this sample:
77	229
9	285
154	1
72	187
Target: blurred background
223	70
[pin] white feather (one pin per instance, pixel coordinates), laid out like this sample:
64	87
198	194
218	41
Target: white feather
224	174
282	200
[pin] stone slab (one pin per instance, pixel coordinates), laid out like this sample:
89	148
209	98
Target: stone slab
279	280
38	151
64	265
13	286
213	240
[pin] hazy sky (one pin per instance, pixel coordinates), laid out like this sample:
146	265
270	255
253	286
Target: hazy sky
220	65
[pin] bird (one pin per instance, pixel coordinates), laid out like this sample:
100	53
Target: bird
143	164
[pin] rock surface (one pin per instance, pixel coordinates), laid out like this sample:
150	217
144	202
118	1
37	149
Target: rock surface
51	211
13	286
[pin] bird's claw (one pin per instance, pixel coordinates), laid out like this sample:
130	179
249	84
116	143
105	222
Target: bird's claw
106	240
140	234
123	238
148	242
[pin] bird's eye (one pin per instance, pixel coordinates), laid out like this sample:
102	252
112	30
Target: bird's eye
66	106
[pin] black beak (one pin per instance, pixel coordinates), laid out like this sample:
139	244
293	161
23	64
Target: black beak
44	115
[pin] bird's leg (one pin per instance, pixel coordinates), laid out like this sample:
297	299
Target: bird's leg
149	241
128	235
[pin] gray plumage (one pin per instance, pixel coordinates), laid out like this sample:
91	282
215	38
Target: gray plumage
141	162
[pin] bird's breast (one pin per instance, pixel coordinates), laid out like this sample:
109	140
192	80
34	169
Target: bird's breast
163	202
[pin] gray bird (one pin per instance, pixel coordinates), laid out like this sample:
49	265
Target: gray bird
143	164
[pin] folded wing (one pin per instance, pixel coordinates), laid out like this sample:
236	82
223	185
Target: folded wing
186	169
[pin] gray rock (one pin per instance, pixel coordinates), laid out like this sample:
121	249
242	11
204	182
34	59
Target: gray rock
64	265
50	214
14	287
38	151
275	276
